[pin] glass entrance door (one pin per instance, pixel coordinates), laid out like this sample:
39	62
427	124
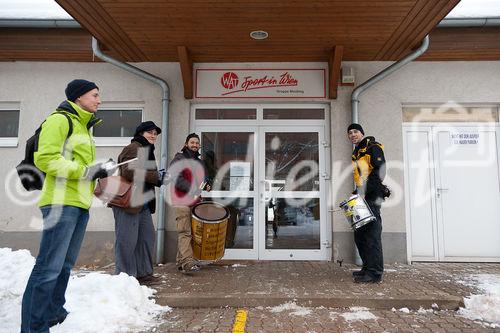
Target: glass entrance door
291	185
269	168
229	155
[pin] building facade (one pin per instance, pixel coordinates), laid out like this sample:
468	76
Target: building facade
280	156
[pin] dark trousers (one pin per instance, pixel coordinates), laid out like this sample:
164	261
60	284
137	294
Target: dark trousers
368	240
134	244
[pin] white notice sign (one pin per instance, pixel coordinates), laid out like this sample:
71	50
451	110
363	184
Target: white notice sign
465	138
239	176
260	83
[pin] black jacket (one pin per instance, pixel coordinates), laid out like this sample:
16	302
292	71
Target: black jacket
368	162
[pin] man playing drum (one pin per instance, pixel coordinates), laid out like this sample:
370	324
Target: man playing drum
368	163
189	174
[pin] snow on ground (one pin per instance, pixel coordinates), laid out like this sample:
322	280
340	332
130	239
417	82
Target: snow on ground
238	265
97	302
484	307
358	313
297	310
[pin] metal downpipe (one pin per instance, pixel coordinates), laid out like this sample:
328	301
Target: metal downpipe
164	138
370	82
383	74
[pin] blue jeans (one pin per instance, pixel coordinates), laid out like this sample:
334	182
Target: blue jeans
62	236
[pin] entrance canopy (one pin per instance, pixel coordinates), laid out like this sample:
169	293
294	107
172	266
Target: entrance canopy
219	31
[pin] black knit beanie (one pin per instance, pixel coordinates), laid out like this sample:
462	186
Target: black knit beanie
356	126
78	87
192	135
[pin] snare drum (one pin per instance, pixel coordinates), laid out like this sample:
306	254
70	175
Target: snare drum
208	228
357	211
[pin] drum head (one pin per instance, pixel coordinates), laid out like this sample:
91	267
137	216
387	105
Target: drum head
210	212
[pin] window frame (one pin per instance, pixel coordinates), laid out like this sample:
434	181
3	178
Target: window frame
11	141
113	141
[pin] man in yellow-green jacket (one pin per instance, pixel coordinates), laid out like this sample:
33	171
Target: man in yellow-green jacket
68	162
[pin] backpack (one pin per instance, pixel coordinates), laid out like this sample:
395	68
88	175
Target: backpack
31	177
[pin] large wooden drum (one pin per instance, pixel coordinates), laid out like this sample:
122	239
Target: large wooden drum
208	228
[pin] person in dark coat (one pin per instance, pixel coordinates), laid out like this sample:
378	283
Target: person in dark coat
368	162
188	172
134	229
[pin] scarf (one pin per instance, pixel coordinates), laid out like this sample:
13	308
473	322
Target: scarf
145	143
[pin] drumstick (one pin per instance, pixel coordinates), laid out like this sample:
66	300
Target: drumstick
126	162
110	165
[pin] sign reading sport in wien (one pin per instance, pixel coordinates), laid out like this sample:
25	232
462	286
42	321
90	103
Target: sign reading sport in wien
260	83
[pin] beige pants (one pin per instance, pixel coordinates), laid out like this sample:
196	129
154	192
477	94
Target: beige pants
184	249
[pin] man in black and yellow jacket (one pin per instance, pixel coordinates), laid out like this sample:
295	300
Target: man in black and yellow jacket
368	164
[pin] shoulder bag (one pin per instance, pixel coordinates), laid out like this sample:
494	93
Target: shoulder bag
114	191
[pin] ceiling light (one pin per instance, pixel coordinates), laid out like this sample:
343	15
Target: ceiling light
259	34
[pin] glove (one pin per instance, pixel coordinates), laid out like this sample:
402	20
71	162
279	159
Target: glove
163	177
100	170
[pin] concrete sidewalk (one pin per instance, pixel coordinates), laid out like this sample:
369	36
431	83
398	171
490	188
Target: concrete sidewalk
316	284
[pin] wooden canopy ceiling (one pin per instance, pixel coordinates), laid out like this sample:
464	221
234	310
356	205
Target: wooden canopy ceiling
190	31
219	30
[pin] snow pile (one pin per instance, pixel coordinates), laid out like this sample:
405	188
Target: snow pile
15	269
291	306
97	302
358	313
485	307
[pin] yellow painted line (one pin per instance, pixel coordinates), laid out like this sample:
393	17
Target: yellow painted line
240	321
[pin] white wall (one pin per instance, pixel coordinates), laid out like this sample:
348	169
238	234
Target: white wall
39	87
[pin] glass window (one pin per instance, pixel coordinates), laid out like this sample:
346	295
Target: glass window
291	226
450	113
291	157
9	123
294	113
229	159
239	234
117	123
226	114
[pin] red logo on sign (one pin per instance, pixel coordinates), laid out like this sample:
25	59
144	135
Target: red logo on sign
229	80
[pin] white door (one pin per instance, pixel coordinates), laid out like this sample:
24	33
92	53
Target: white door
453	192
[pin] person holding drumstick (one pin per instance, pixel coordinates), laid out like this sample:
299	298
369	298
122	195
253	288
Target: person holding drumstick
368	164
188	173
134	229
